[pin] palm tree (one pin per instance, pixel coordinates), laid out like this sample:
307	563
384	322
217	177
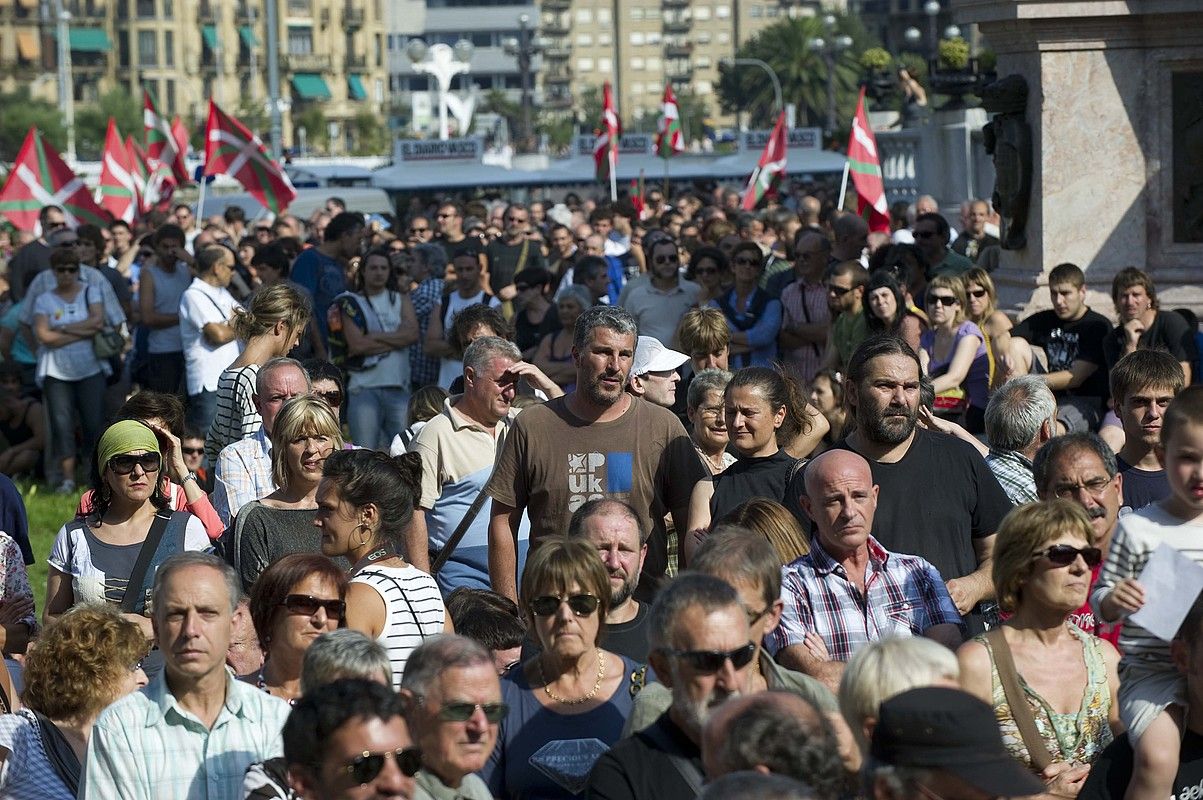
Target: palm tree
785	47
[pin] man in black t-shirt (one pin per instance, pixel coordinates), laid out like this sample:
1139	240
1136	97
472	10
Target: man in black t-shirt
1071	336
513	253
938	499
451	236
1112	770
1143	326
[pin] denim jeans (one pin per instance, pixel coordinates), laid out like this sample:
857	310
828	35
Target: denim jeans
68	401
377	414
202	408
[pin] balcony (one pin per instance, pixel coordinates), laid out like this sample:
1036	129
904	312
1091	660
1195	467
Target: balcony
556	28
682	73
558	101
352	16
557	77
558	5
557	52
677	25
307	62
355	62
675	3
244	13
678	49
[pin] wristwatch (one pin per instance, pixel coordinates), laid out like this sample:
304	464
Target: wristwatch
191	476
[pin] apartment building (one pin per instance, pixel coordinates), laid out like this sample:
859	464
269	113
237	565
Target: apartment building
332	55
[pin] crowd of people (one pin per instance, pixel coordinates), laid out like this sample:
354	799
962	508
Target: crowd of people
656	499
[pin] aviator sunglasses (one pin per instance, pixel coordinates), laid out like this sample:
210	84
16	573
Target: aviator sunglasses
713	660
365	768
581	604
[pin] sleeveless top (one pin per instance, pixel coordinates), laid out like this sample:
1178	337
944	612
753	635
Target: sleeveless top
169	288
19	432
413	611
1078	737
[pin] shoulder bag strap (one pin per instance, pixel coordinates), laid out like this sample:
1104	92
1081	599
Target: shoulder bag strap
58	750
461	529
684	767
137	577
1017	700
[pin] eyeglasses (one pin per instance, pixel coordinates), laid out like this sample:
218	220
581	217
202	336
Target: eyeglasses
333	398
711	411
68	243
1094	486
581	604
942	299
419	230
307	605
522	287
66	270
706	271
137	666
713	660
1062	555
924	234
746	262
838	291
665	260
124	464
462	712
977	294
516	219
193	451
365	768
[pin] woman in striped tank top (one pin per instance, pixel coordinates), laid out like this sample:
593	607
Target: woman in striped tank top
366	501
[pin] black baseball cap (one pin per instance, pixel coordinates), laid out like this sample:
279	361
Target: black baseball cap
941	728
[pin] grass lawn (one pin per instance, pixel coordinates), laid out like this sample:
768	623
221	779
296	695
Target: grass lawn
47	512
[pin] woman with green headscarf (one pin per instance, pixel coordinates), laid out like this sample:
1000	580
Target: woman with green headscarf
94	556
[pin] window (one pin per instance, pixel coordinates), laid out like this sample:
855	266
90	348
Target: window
419	83
703	37
603	16
170	94
169	49
300	40
148	50
654	64
584	64
723	12
653	13
605	39
604	65
379	90
636	88
584	16
636	14
724	37
123	48
300	8
703	87
637	38
145	9
701	12
584	40
637	63
702	62
167	10
756	11
654	37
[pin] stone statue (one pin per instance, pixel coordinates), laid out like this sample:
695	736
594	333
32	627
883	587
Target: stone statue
1008	138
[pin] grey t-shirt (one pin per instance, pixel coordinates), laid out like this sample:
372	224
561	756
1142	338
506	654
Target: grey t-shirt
261	535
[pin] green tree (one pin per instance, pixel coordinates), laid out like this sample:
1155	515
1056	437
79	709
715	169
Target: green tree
371	137
589	101
92	121
695	115
312	119
254	115
785	47
22	112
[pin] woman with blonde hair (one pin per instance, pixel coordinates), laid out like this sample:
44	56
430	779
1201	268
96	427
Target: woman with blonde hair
269	326
1067	680
305	432
83	662
773	521
982	300
954	355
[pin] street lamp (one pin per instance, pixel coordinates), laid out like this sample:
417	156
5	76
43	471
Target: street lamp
66	97
830	49
524	48
932	9
756	62
952	32
443	63
913	37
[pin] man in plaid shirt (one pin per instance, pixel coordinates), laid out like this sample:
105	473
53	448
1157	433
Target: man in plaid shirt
849	590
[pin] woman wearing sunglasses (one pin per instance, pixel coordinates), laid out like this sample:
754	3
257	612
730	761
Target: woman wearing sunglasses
72	378
573	692
1045	560
295	600
708	269
982	309
954	355
752	315
304	433
94	556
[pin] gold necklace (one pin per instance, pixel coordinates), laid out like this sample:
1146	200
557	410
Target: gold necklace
601	673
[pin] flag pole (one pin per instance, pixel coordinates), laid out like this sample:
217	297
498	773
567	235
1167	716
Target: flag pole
613	173
200	204
843	186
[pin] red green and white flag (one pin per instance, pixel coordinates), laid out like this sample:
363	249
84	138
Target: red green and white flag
865	167
118	191
40	177
605	148
231	149
669	139
771	168
139	171
180	134
161	144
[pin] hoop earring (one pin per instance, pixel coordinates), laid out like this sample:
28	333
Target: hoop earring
367	538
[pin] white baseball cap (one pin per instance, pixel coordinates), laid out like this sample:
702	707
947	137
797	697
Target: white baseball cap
651	356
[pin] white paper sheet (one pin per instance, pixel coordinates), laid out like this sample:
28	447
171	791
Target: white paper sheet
1171	582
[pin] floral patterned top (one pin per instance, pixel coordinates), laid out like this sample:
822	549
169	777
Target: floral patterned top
1078	738
16	579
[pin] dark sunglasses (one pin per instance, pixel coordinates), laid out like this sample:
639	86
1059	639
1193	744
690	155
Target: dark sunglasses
924	234
713	660
365	768
581	604
977	293
193	451
66	270
838	291
706	271
746	262
462	712
124	464
333	398
1062	555
307	606
666	259
942	299
419	230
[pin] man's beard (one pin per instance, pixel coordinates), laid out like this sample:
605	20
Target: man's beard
597	395
879	429
693	715
623	593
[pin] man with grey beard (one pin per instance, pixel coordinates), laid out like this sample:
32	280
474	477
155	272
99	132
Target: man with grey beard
938	499
612	526
702	649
